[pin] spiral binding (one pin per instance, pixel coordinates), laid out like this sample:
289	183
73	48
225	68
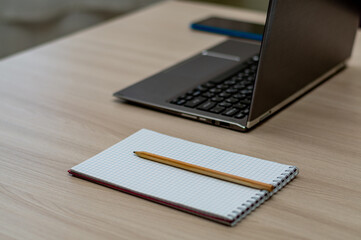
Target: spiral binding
261	196
280	182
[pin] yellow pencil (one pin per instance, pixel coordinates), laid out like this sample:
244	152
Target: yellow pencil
205	171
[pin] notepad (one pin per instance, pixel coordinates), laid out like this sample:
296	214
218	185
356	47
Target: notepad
119	168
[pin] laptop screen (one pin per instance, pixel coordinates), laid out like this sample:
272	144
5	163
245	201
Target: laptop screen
303	40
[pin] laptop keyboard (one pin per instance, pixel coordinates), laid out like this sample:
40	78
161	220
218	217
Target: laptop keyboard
229	97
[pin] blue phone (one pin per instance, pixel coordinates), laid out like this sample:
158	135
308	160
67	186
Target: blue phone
230	27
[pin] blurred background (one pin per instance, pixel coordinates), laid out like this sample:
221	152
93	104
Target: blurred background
27	23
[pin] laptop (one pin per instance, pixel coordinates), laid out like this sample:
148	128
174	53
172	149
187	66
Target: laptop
237	84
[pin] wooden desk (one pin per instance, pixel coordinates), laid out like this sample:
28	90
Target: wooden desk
57	110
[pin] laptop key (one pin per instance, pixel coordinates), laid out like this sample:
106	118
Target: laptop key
196	93
246	92
245	101
217	109
217	99
222	86
239	96
239	86
240	115
240	76
243	82
215	90
195	102
206	106
208	94
240	106
230	112
231	90
208	85
245	111
248	83
189	98
180	102
230	82
232	100
225	104
250	78
202	88
224	94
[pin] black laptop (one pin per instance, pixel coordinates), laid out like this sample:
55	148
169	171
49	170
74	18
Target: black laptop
237	84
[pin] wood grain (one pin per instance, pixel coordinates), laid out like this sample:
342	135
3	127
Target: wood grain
57	110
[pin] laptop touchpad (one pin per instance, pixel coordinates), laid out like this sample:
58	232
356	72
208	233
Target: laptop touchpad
202	67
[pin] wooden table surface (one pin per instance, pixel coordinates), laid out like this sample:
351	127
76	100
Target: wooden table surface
57	110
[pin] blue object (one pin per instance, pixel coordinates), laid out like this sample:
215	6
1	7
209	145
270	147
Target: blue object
229	32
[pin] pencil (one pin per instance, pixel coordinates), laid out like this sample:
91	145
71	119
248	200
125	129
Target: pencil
205	171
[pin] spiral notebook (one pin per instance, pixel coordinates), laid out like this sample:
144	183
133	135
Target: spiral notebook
117	167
